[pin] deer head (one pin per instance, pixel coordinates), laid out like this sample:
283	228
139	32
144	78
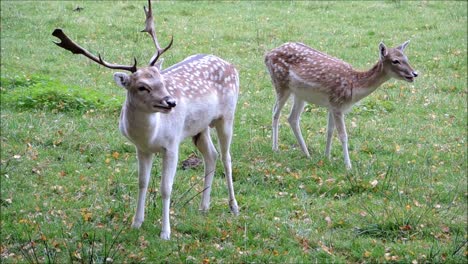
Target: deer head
146	89
145	86
396	63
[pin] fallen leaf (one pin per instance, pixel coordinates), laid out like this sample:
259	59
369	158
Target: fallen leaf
397	148
329	250
305	244
445	229
77	255
405	228
36	171
191	162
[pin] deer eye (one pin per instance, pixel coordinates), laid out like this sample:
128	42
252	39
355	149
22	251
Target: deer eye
396	62
143	89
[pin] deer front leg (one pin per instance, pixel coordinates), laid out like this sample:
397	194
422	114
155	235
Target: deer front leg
294	121
281	99
330	130
169	166
145	161
341	128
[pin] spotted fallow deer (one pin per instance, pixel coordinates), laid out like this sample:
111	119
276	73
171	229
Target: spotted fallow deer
314	77
163	107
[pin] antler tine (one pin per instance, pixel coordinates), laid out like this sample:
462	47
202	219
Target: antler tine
68	44
150	29
149	24
155	57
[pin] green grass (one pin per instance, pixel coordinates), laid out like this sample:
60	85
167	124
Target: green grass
69	181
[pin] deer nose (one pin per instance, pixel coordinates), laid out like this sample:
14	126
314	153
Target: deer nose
415	74
171	102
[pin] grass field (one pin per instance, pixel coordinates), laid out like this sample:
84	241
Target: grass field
69	180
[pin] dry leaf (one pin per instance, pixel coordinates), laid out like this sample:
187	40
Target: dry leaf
397	148
329	250
405	228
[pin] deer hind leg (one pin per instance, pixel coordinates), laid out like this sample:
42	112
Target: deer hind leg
341	128
282	96
330	130
205	145
224	131
145	162
294	121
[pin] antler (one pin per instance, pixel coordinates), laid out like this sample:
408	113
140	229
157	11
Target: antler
70	45
149	28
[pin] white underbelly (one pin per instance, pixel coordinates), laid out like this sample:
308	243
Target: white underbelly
308	91
311	95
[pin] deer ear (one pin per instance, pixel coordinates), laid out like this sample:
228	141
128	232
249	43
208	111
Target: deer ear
402	47
159	64
382	50
122	79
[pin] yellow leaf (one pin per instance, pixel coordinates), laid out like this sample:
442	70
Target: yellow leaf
86	215
77	255
108	161
23	221
397	148
295	175
367	254
115	155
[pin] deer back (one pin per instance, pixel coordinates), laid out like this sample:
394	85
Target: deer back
201	77
297	65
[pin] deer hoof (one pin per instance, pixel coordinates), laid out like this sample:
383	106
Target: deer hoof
137	223
204	207
234	208
165	235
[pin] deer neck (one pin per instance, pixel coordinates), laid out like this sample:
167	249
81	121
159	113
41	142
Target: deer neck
368	81
138	126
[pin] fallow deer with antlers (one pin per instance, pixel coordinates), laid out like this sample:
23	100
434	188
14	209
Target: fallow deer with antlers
314	77
163	107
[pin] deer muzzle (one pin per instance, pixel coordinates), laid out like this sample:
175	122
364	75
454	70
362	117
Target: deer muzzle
169	101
